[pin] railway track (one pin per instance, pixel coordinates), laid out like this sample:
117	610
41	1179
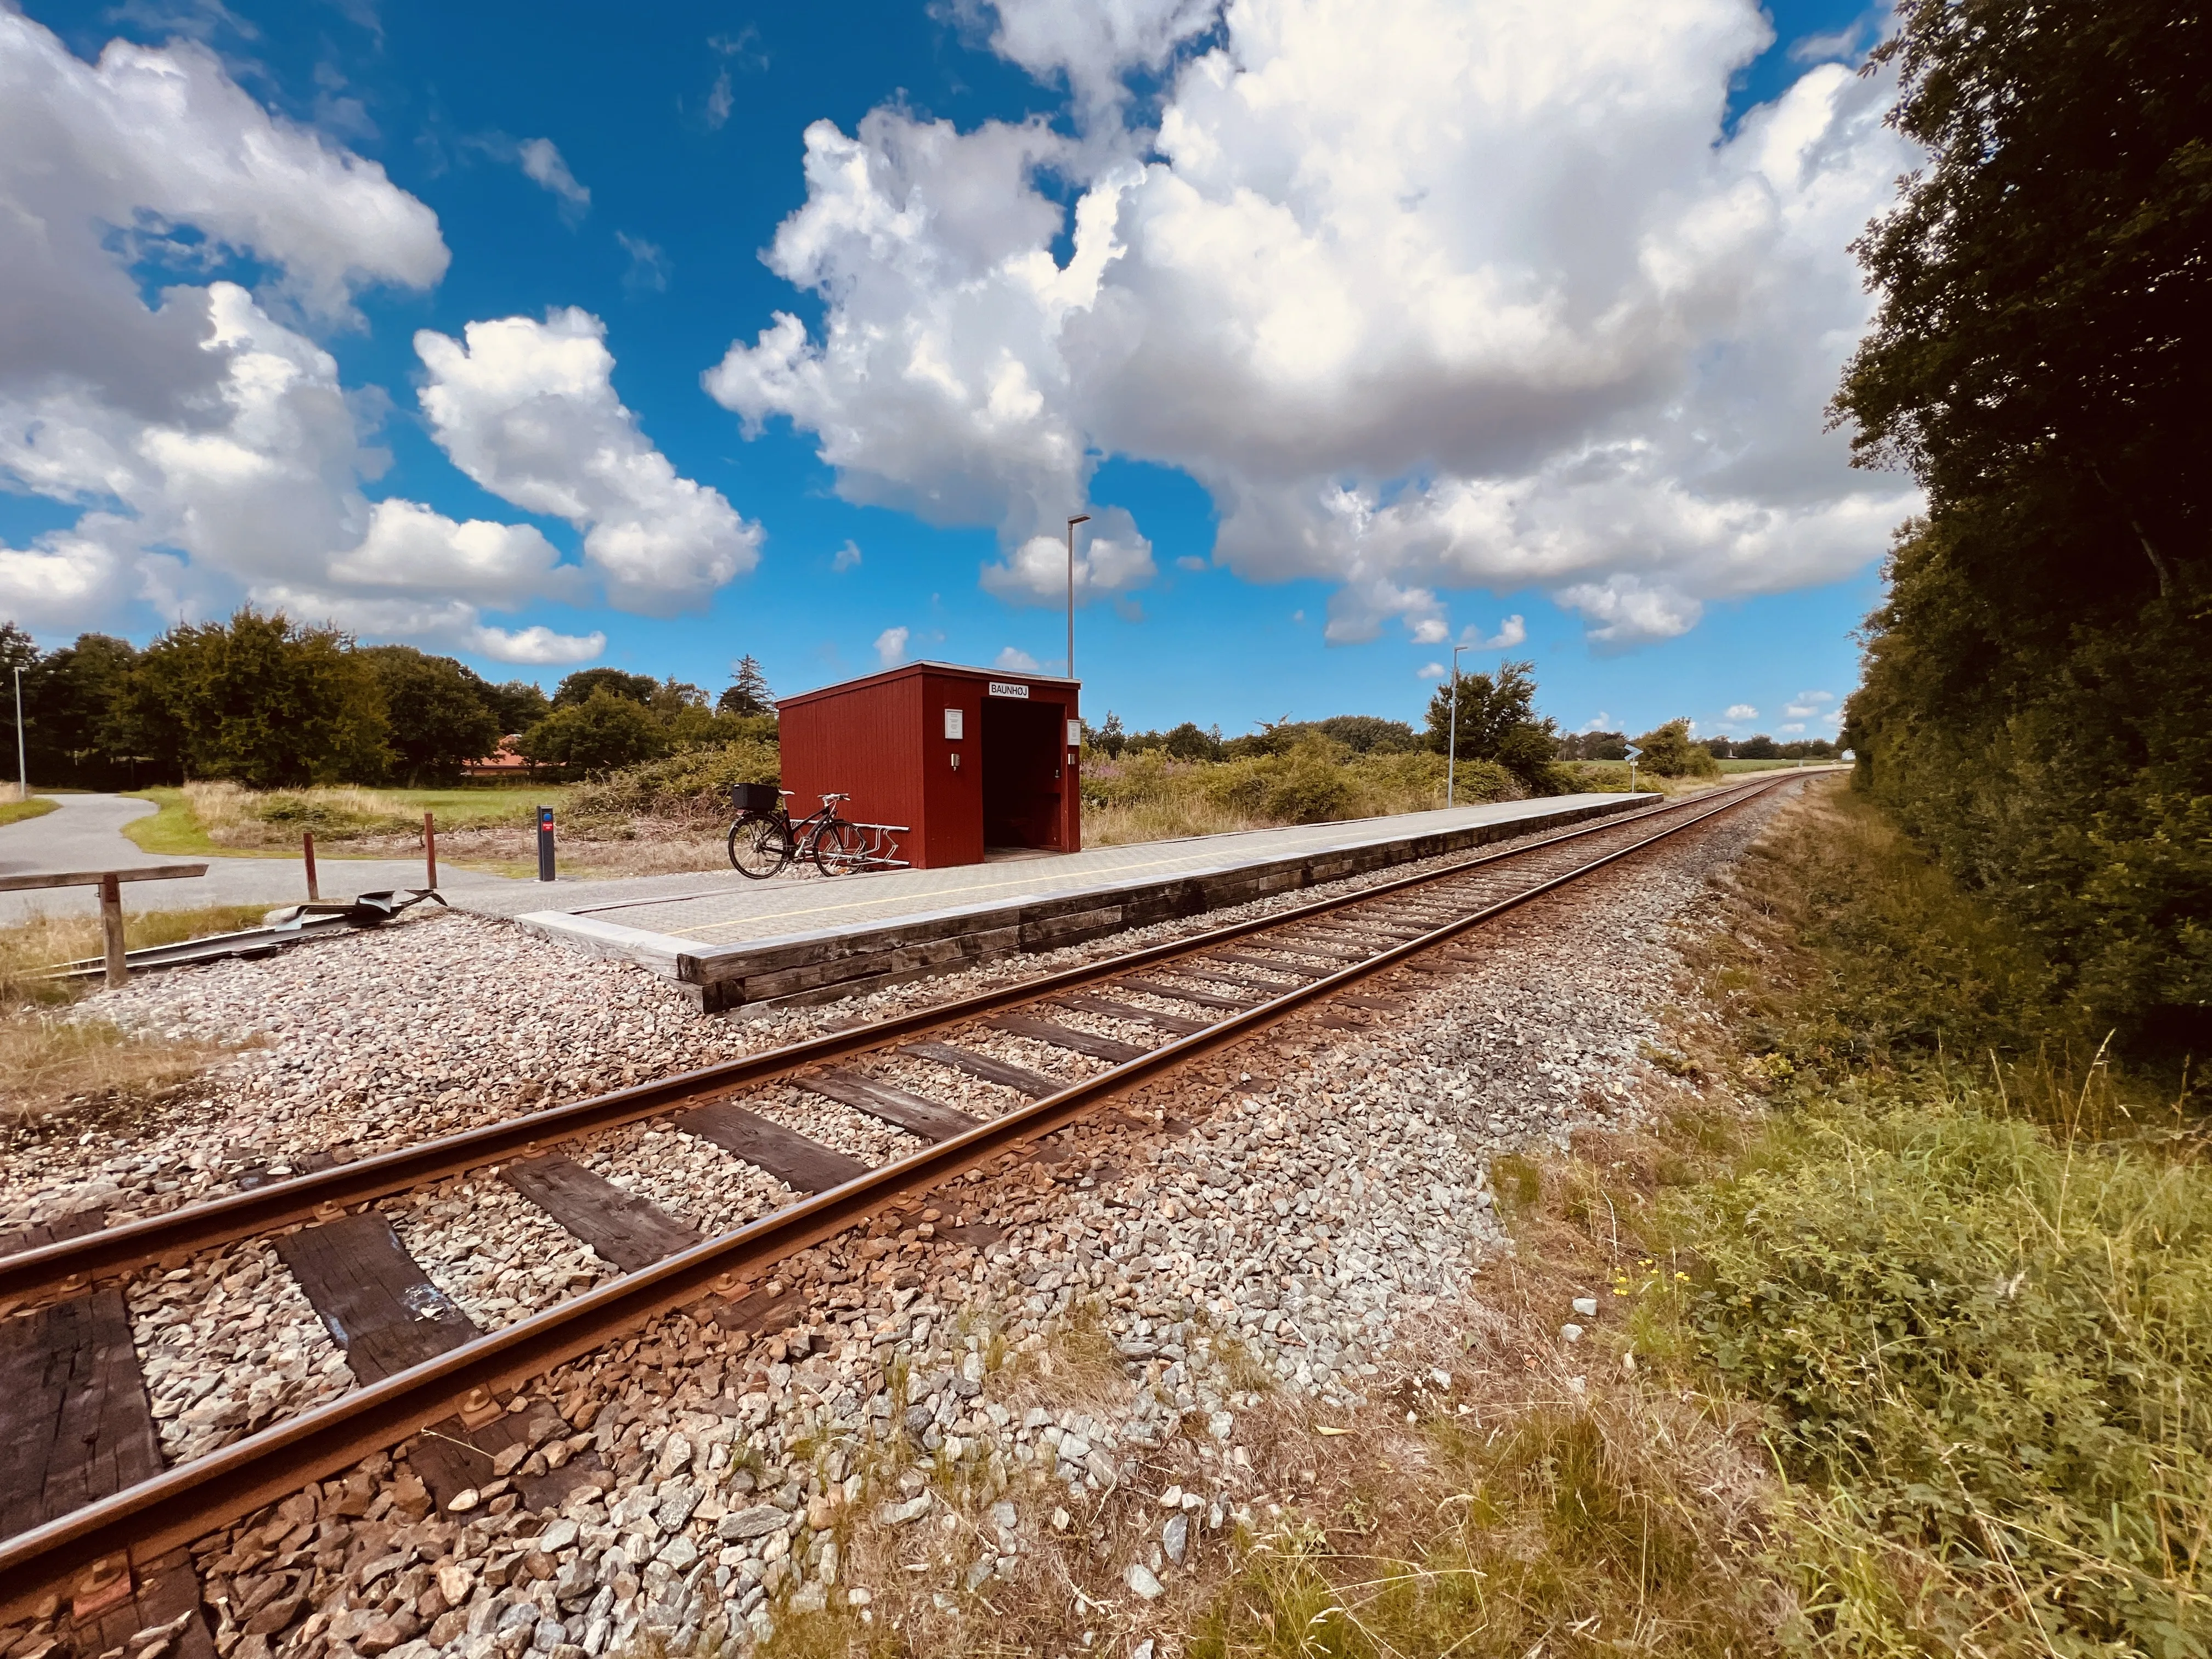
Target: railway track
88	1490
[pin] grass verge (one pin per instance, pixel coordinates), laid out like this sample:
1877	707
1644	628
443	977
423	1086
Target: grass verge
53	1061
16	811
1904	1338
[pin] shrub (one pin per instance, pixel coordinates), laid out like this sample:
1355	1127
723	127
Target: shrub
1667	751
690	787
603	733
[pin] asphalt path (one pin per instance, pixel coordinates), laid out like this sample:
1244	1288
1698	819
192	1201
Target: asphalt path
86	833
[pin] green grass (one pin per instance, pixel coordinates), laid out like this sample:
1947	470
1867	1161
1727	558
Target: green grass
174	830
1922	1345
1963	1271
16	811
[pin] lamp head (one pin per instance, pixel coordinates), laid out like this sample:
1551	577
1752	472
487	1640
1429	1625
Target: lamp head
1080	518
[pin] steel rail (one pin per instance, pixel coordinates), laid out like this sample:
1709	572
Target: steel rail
179	1505
70	1265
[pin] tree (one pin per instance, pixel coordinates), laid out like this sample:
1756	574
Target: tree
1593	746
1498	722
1667	751
1186	742
748	692
1111	738
440	713
517	705
603	733
262	701
2036	705
84	728
1760	747
578	687
1368	734
2045	295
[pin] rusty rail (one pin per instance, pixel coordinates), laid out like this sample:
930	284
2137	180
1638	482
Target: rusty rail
73	1264
183	1502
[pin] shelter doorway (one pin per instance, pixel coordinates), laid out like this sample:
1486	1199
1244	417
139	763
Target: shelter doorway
1022	773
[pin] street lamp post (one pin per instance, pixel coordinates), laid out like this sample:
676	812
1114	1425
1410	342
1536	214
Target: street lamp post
1080	518
1451	753
22	769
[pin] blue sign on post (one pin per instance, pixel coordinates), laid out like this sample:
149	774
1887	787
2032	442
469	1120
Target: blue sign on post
544	844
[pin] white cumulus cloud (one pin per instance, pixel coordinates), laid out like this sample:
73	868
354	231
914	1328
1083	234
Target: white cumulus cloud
1742	711
1429	296
891	645
205	435
529	410
1015	660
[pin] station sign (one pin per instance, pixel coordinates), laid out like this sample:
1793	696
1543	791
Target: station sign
1007	688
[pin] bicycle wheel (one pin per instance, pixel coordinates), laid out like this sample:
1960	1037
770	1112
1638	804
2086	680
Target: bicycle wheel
836	847
759	847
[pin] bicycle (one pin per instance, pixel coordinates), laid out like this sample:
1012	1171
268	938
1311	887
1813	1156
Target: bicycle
763	839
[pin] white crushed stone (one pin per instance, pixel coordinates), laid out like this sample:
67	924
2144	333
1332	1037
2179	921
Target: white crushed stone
227	1344
1310	1239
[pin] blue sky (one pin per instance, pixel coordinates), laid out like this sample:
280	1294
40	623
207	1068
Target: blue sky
1659	510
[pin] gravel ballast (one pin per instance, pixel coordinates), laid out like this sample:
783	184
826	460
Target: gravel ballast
1062	1410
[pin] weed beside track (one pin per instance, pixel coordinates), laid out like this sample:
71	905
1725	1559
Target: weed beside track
1904	1329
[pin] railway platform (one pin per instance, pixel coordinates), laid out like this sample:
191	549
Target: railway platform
734	944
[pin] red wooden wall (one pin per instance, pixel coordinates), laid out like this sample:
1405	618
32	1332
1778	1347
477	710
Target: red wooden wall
881	739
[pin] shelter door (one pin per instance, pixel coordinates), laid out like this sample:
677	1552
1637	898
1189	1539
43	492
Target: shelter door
1022	767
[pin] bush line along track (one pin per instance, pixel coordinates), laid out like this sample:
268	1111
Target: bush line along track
168	1509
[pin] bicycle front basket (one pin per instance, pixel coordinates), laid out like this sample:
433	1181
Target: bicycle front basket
754	797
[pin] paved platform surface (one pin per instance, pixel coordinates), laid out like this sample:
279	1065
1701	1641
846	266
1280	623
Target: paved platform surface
727	909
748	941
86	833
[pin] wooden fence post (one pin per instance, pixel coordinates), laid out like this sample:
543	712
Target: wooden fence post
111	927
308	853
430	849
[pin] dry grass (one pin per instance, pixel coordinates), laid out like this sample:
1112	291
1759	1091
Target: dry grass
53	1061
1148	797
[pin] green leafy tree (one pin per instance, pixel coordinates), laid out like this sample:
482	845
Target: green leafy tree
86	732
748	692
1498	722
1369	734
2037	700
578	687
604	732
517	705
1667	750
440	713
262	701
1189	742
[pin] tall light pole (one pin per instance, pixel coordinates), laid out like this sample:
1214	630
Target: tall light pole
22	770
1451	754
1080	518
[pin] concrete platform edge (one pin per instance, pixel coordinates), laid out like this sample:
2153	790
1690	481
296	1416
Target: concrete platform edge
604	938
823	964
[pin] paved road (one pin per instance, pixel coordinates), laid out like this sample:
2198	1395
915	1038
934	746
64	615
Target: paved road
86	833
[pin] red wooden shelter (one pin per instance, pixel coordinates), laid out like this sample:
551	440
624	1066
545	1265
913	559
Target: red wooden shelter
973	760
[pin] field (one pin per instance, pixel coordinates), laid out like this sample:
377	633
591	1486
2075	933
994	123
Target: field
223	820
